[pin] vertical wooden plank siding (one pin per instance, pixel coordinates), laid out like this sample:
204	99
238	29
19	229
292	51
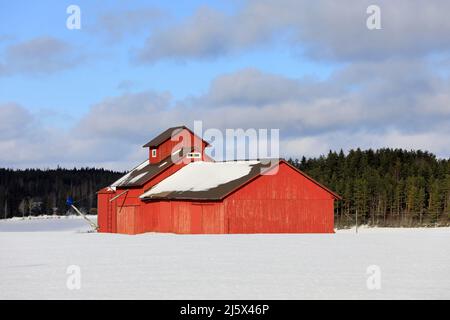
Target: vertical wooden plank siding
196	218
213	217
181	213
126	219
102	211
106	211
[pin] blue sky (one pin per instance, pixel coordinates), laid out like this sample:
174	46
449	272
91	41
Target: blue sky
312	70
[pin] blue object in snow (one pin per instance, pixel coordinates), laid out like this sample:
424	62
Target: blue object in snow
69	201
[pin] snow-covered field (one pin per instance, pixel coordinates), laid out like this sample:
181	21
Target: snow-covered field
35	255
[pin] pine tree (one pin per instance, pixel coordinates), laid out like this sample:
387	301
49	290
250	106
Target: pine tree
446	197
434	202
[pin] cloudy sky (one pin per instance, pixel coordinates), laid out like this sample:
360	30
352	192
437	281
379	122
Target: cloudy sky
94	96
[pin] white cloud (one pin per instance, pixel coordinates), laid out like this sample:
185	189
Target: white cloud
14	121
324	29
38	56
116	25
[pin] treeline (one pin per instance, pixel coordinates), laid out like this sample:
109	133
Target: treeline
386	187
36	192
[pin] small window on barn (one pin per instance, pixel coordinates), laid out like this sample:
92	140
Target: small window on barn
153	153
194	155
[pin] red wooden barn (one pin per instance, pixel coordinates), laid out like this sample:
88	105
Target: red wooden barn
184	191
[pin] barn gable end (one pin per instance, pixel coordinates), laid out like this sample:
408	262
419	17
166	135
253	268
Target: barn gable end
288	202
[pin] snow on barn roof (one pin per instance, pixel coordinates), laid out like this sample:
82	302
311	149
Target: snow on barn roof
206	180
146	171
127	177
141	174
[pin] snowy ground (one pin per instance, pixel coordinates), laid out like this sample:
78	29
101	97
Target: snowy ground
35	254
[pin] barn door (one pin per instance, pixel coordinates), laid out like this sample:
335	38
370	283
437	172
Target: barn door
126	219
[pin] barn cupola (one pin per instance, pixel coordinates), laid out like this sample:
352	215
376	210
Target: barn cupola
176	139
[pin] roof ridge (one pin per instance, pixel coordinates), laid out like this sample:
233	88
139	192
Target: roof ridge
167	134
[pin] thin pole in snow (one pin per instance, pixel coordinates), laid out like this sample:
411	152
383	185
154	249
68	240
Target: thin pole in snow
92	224
356	220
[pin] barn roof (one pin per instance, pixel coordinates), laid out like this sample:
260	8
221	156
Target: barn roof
141	174
213	180
166	135
144	172
202	180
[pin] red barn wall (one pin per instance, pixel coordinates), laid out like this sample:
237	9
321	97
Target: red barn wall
184	217
287	202
103	208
